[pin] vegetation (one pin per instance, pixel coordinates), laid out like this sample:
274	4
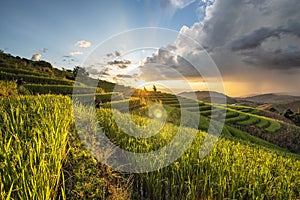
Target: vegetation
295	117
33	145
59	89
34	79
43	155
8	89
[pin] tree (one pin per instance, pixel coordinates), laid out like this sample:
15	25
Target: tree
43	64
80	71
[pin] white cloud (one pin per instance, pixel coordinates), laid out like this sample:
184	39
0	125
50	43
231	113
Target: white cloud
171	6
181	3
74	53
36	57
83	44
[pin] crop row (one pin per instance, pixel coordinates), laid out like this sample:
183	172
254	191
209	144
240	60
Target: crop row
124	105
21	71
224	173
59	89
34	79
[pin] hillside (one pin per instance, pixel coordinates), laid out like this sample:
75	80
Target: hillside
46	141
205	96
42	78
281	107
270	98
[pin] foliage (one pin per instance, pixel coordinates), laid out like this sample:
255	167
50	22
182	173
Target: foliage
232	170
59	89
124	105
92	98
34	79
25	66
33	144
41	156
22	71
8	89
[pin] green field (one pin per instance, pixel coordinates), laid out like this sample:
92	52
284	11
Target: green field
46	154
36	145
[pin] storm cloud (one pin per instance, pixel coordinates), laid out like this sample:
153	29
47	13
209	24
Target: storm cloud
237	34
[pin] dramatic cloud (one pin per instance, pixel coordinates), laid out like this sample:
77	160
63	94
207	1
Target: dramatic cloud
83	44
74	53
251	41
169	64
122	64
255	32
36	57
282	58
257	37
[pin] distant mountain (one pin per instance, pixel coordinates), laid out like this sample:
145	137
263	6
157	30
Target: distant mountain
205	96
270	98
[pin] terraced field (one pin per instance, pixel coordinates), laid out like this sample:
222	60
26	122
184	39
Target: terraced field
236	116
43	152
244	119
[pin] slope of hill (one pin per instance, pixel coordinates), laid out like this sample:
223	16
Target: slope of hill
270	98
247	154
205	96
39	76
281	107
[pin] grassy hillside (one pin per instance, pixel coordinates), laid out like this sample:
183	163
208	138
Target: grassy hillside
58	166
43	155
205	96
40	77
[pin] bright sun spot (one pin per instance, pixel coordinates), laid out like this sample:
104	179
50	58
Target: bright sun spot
157	113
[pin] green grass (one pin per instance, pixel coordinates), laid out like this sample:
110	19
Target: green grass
34	79
22	71
231	114
58	89
274	126
237	119
125	105
263	123
41	156
232	170
246	138
33	145
249	122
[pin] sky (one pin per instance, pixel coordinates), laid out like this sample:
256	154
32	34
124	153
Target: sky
254	45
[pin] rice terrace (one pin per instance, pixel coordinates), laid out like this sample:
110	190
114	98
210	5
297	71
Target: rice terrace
150	113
